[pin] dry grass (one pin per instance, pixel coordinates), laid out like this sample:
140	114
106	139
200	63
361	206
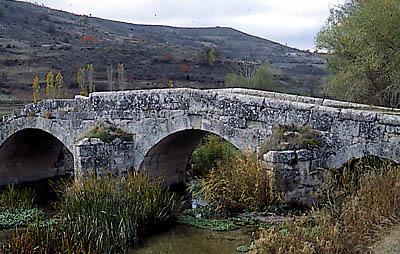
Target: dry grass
238	184
353	225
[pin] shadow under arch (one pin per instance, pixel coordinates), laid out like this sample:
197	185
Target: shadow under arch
169	158
33	154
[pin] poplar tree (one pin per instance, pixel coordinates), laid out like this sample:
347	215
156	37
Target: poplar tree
90	76
121	76
80	79
50	89
59	85
36	89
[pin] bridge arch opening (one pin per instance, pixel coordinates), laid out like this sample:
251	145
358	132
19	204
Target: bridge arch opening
169	159
32	154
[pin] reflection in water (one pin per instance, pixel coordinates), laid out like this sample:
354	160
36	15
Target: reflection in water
184	239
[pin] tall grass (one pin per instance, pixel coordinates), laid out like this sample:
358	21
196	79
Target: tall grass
15	198
367	204
105	215
236	185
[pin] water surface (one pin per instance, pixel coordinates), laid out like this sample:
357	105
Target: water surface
184	239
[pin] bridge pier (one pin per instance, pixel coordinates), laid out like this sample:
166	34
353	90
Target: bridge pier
93	156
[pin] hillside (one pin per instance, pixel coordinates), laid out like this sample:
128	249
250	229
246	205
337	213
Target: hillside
35	39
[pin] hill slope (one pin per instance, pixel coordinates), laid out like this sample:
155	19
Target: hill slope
35	39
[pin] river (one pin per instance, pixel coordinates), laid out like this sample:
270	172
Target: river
183	239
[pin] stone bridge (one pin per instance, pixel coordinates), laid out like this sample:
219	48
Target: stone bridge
51	137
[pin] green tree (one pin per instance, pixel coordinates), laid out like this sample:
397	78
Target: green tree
208	56
362	39
260	79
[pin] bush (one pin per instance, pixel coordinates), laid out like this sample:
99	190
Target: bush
103	215
107	133
206	156
351	226
236	185
286	137
262	79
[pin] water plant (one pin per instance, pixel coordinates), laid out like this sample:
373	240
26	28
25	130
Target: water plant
101	215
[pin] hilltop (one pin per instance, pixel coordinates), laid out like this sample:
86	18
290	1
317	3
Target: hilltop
35	39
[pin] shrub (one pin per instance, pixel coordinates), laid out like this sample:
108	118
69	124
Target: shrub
238	184
286	137
356	222
103	215
208	153
108	133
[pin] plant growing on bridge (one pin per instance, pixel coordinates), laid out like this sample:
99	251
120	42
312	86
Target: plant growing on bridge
287	137
108	133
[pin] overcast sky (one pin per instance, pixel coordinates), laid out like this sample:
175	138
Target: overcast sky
291	22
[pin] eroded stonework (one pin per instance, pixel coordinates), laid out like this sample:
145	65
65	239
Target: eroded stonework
243	117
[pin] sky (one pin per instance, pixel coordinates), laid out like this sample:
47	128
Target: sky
290	22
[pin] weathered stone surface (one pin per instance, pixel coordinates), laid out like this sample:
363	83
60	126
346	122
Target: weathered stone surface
166	118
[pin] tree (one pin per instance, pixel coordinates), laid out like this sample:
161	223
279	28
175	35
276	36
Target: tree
50	88
36	89
208	56
121	76
59	85
261	79
90	76
81	80
212	56
362	39
110	75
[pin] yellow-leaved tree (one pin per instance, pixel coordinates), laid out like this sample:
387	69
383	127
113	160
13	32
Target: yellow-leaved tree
50	89
90	76
59	85
80	79
121	76
36	89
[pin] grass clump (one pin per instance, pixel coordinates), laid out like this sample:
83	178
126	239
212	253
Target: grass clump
367	205
212	150
105	215
236	185
287	137
108	133
20	217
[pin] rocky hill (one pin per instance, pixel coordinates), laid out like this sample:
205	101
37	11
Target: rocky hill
35	39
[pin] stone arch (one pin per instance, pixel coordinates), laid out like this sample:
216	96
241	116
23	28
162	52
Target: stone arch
31	154
169	157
